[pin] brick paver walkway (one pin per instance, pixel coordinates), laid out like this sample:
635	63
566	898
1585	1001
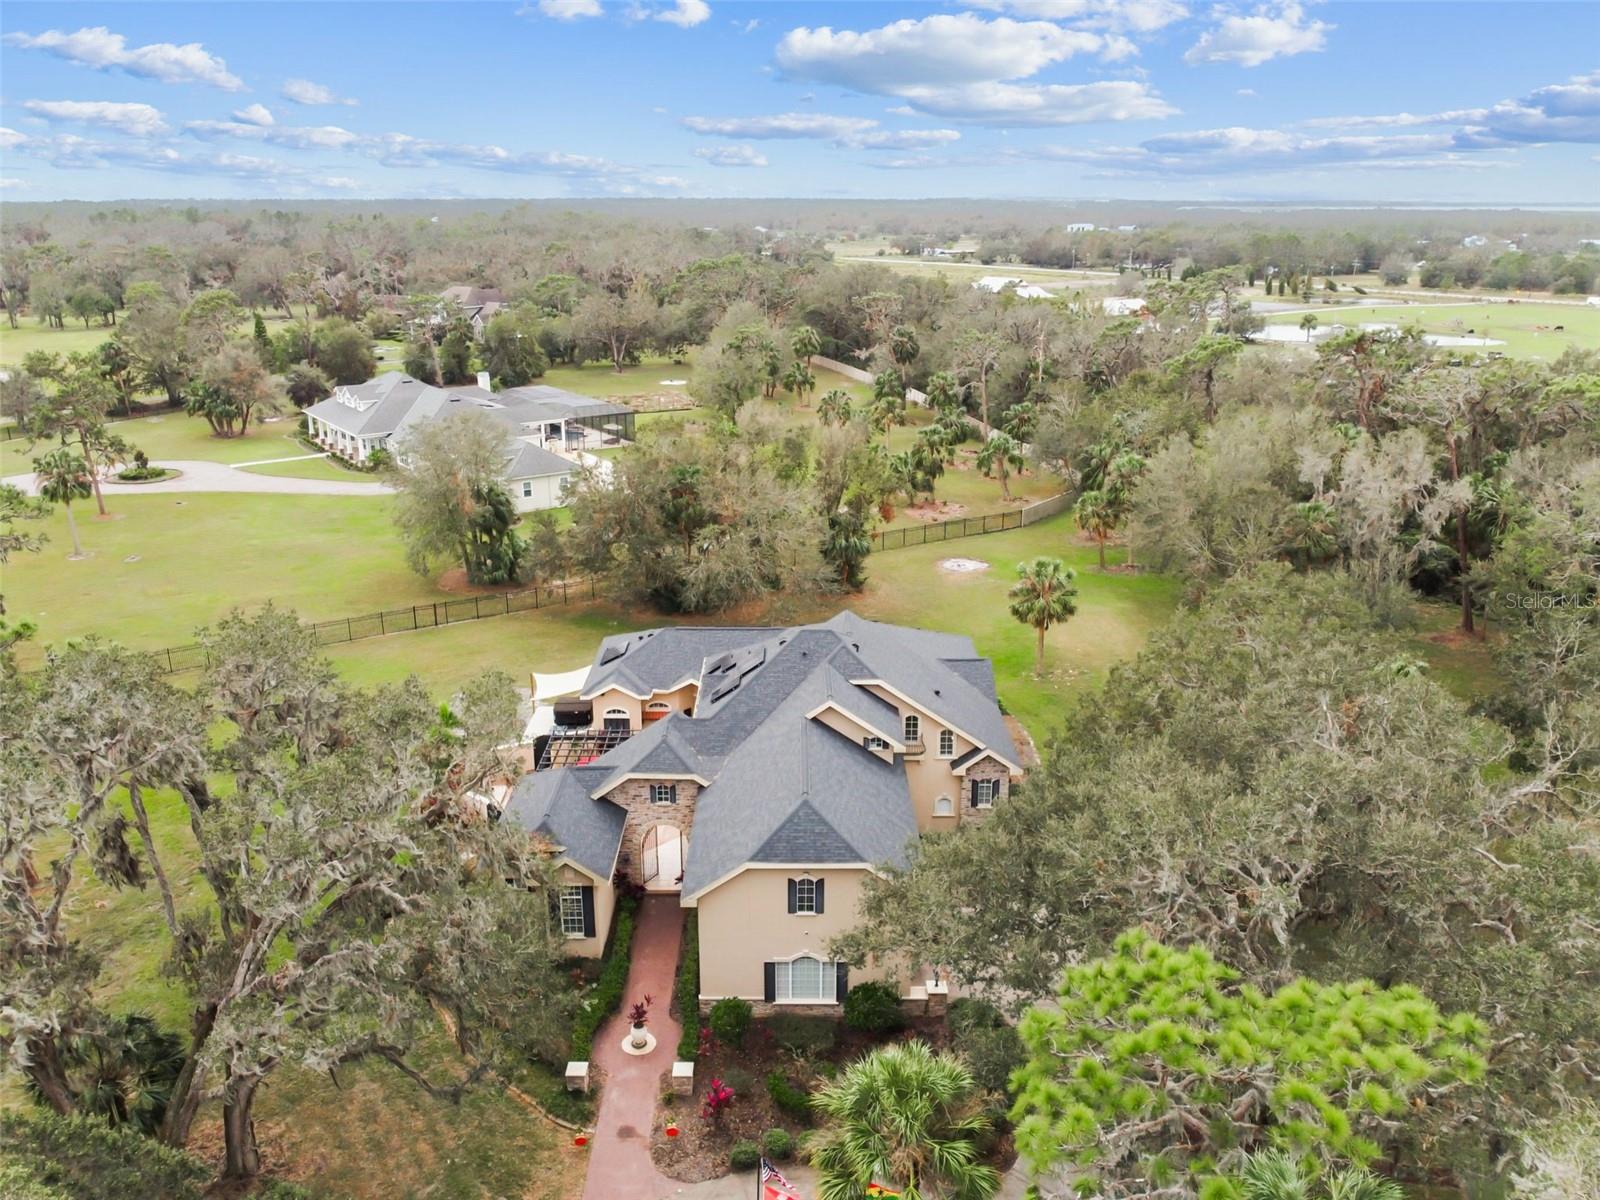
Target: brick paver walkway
620	1167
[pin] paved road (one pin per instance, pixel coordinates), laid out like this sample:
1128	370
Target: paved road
201	476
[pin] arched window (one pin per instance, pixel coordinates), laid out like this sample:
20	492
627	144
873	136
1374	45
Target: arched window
913	728
617	718
805	978
947	744
944	806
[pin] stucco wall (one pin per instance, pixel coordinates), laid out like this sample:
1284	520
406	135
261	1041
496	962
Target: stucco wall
605	903
746	922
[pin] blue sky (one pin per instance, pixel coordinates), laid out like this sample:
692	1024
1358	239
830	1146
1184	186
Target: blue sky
1145	99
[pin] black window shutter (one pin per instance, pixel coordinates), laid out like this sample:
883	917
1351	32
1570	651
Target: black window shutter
972	794
819	895
555	905
794	893
769	982
587	893
841	981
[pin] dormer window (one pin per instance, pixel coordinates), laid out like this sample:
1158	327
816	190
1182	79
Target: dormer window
874	743
913	725
663	793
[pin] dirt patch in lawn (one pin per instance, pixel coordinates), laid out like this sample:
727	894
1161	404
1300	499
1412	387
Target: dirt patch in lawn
935	510
963	566
1455	639
655	402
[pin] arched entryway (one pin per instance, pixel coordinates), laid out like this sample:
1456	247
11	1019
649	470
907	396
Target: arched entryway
661	858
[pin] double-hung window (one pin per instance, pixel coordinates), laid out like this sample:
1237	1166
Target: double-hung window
985	792
572	911
527	489
663	793
947	744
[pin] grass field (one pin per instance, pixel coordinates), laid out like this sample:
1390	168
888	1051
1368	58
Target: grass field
1527	329
312	468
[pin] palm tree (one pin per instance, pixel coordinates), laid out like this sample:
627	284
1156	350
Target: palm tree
1098	514
1310	532
1278	1175
804	342
1043	596
1002	454
834	407
1121	477
63	478
905	1117
903	348
800	380
1308	323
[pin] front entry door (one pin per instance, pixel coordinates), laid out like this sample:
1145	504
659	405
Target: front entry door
662	858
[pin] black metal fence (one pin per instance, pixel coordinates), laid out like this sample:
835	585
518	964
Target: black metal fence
404	620
963	527
477	608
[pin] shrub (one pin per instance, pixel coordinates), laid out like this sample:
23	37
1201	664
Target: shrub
807	1036
740	1080
729	1019
778	1144
688	991
791	1100
719	1098
979	1033
86	1159
873	1007
607	994
744	1155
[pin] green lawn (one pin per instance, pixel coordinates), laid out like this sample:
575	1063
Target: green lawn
32	335
172	435
197	555
1527	329
312	468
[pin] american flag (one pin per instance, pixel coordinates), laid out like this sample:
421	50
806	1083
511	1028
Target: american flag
771	1176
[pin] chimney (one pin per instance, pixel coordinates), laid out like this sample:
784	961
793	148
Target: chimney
483	380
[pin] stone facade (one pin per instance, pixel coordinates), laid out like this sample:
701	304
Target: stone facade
634	797
984	768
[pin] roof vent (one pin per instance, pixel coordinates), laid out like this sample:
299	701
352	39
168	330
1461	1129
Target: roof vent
612	653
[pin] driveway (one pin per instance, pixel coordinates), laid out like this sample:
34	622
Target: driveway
201	476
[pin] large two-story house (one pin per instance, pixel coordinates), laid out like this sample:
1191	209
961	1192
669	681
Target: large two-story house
761	775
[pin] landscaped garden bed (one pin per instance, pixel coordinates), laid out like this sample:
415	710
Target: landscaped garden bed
772	1072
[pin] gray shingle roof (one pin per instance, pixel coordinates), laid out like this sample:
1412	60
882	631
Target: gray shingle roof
529	461
402	401
556	804
784	788
798	791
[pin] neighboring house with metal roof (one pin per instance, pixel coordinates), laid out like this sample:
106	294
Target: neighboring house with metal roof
762	775
546	427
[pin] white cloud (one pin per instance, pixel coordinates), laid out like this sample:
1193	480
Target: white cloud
10	138
685	14
12	183
254	114
942	49
101	50
965	67
1247	93
297	137
1042	104
1272	31
1135	16
731	156
854	133
139	120
1239	149
1399	120
749	26
562	10
71	152
303	91
1561	112
783	125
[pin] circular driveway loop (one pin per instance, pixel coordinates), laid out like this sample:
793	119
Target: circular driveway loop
202	476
